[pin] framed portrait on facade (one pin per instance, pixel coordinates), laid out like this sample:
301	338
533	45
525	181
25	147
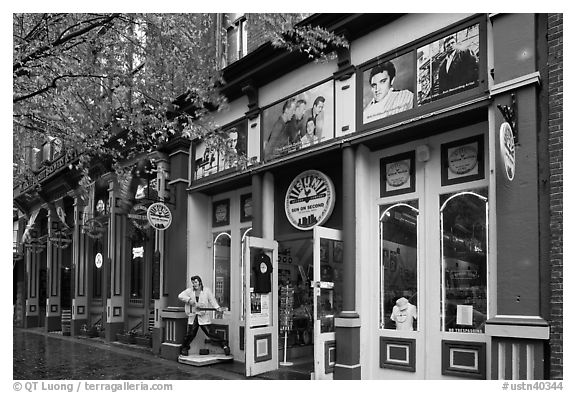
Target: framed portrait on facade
397	174
209	160
245	207
236	137
221	213
388	87
206	161
463	160
448	65
298	122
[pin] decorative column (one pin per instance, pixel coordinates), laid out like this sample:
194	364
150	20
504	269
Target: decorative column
54	260
159	262
347	323
115	268
32	260
80	299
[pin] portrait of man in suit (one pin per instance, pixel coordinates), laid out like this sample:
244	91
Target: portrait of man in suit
458	68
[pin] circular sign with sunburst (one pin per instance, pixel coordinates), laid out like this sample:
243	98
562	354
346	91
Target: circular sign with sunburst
309	200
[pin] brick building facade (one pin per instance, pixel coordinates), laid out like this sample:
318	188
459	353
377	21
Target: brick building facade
555	146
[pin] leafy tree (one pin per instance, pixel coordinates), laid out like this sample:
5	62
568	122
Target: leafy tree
104	84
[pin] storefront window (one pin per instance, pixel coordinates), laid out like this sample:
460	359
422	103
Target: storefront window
464	222
222	269
399	266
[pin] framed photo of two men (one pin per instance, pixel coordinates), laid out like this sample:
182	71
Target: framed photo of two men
436	71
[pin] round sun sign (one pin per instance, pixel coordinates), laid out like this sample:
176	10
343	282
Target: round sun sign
309	200
159	216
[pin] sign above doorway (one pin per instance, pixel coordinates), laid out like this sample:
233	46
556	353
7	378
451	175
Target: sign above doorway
309	200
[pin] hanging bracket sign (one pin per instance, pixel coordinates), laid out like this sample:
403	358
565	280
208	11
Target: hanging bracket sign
139	216
159	216
508	150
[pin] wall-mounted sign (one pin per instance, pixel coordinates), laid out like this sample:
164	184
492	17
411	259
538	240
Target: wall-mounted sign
462	160
221	213
139	216
508	150
309	200
209	160
387	88
298	122
245	207
159	216
397	174
98	260
448	65
93	228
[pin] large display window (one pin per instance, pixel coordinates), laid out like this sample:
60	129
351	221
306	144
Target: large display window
222	265
399	266
464	227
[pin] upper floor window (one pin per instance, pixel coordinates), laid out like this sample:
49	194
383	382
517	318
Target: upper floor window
236	37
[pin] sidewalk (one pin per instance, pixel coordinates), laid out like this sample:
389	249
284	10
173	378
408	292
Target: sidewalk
41	355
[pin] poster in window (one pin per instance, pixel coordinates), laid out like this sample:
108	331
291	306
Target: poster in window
397	174
299	121
449	65
463	160
221	213
387	88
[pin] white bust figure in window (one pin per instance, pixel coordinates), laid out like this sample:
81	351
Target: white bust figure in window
404	314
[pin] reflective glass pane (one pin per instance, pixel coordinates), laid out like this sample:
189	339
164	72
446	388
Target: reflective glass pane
222	269
464	219
399	266
330	301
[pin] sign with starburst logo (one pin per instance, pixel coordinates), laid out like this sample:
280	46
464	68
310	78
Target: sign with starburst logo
309	200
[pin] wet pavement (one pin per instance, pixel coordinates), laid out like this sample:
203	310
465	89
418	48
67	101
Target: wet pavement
39	355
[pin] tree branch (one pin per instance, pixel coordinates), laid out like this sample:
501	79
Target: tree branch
61	40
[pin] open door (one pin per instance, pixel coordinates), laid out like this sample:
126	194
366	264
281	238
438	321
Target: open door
327	286
261	305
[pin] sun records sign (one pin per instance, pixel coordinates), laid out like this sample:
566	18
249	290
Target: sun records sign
508	150
309	200
159	216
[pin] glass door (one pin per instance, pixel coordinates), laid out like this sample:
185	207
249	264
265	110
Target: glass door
261	305
327	290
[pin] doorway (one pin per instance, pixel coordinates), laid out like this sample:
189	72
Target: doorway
430	269
310	296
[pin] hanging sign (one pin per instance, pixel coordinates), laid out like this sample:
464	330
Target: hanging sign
309	200
159	216
508	150
139	216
